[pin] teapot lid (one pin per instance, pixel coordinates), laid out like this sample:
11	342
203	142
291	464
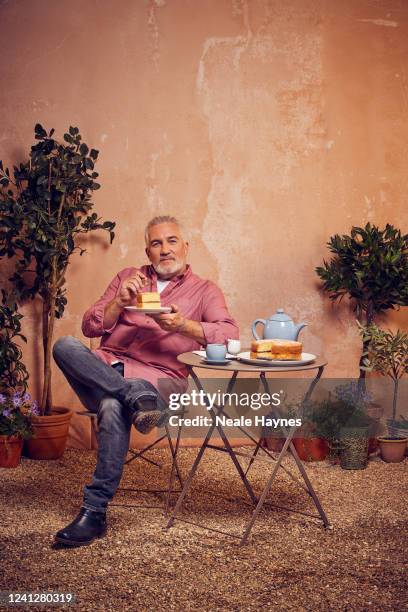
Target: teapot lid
280	315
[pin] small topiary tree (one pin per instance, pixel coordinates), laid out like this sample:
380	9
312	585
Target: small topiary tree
44	209
370	267
387	353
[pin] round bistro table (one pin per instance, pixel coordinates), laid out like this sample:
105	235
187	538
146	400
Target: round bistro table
193	362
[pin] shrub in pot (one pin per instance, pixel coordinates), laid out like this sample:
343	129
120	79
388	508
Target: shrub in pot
370	267
337	418
16	406
387	353
364	405
45	208
17	410
310	445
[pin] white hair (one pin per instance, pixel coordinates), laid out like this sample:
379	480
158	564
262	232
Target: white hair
157	221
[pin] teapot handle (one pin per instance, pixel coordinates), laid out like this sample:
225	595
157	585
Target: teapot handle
254	324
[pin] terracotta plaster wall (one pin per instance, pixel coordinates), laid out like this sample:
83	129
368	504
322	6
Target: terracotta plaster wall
265	126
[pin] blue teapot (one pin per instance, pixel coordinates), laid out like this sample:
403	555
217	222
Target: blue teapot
279	325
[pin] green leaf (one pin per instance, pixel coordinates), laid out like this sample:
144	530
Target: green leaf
94	154
39	131
83	149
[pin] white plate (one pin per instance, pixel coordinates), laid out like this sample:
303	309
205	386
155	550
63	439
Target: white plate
149	310
306	358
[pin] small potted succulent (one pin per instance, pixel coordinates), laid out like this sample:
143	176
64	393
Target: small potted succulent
387	353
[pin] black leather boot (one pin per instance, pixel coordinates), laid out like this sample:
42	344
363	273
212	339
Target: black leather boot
83	530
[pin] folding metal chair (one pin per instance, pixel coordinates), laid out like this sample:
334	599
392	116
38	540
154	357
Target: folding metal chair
140	454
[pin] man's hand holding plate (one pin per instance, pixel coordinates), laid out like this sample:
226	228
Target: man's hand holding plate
172	321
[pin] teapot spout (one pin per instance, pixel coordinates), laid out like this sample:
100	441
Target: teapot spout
298	329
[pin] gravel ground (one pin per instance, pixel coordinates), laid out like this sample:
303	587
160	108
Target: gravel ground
290	563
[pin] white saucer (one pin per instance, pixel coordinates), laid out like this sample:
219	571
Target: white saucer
216	361
202	354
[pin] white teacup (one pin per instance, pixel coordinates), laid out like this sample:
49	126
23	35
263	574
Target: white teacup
233	346
216	352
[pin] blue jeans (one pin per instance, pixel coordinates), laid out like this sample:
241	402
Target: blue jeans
104	391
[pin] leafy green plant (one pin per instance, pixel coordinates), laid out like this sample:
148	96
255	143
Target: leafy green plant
331	415
45	208
386	353
370	267
13	373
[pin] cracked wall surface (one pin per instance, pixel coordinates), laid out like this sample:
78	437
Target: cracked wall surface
265	126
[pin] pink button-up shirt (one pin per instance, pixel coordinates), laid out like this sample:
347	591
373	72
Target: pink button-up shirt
148	351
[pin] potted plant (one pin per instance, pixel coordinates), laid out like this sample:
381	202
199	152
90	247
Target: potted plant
16	413
309	445
45	209
362	400
16	406
387	353
370	266
341	420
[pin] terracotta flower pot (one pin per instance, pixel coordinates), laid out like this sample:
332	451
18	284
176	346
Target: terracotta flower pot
392	449
311	449
10	451
50	435
273	444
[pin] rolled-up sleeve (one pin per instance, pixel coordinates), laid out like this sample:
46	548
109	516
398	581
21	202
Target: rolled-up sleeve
92	322
218	325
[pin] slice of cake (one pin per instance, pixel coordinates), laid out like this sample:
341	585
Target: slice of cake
261	349
148	300
276	349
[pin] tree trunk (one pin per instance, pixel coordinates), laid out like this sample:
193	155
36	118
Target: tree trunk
361	381
48	332
394	402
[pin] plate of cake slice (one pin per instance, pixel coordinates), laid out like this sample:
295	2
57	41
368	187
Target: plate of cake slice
276	352
149	303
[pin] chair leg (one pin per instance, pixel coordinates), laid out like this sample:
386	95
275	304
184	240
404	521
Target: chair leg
139	454
174	466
